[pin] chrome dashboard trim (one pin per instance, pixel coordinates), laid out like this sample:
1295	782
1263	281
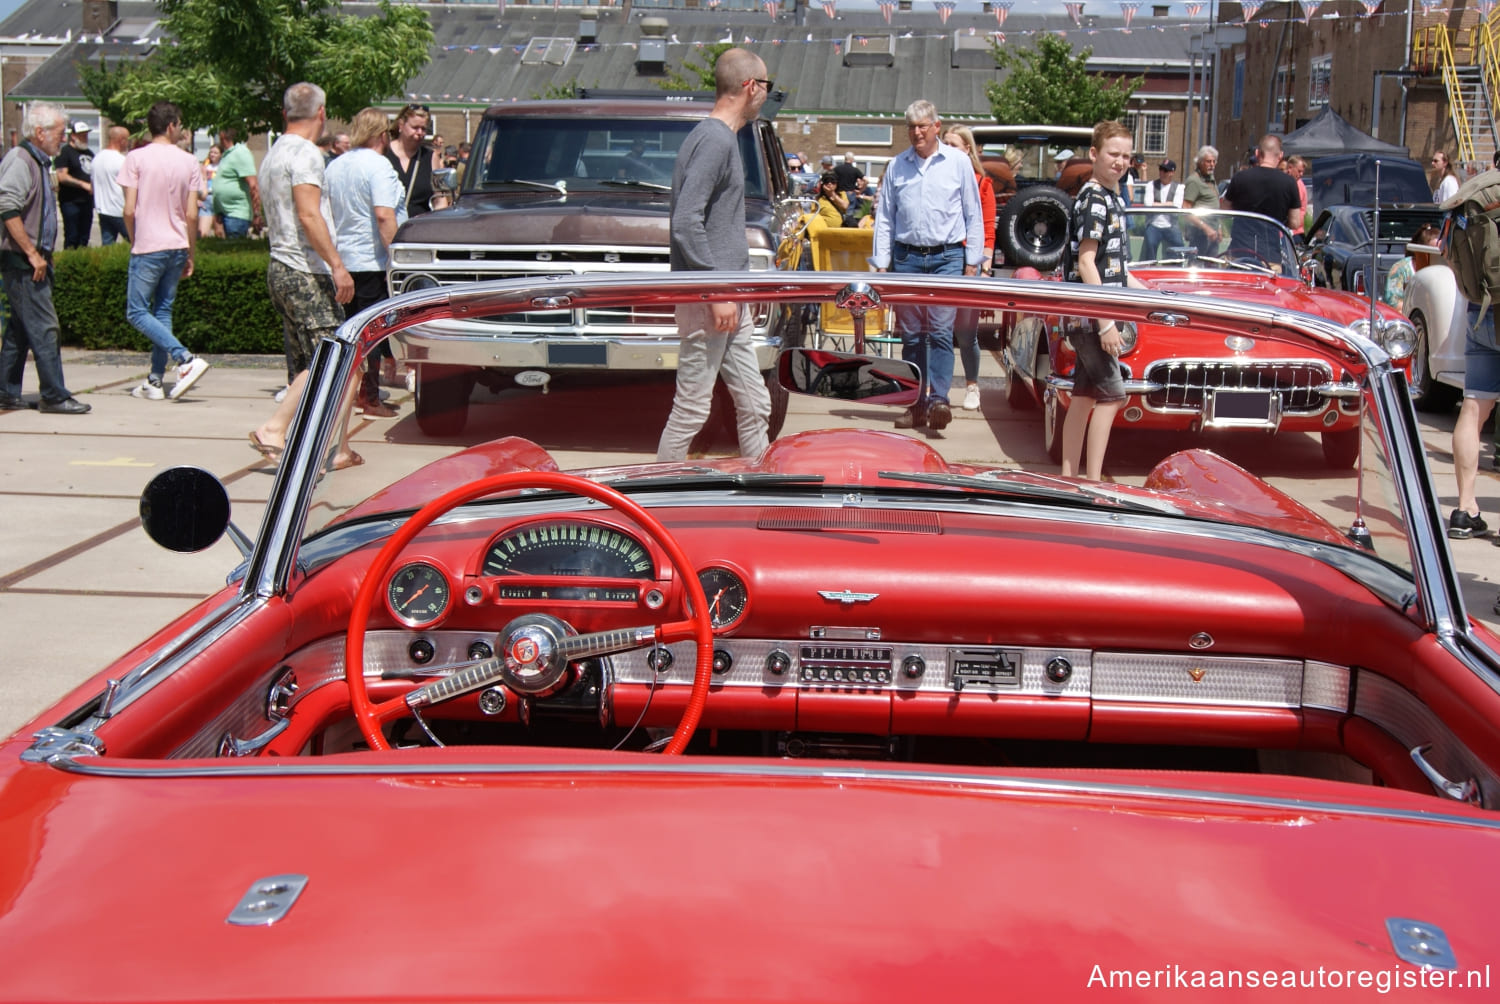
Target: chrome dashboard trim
1197	679
1299	811
1392	707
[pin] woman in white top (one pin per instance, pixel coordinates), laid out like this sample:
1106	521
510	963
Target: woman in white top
1447	184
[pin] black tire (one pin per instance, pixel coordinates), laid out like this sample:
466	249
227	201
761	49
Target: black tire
1017	394
1033	227
1053	414
1341	448
442	399
1427	392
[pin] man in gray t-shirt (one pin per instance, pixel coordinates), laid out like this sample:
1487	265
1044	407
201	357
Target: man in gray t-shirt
708	233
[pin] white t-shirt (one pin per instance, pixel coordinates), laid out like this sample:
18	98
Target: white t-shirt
358	182
1447	188
1159	195
109	200
292	161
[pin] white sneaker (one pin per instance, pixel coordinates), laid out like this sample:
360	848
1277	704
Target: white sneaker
148	391
187	375
281	395
971	398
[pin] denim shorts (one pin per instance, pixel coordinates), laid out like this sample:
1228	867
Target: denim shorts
1097	373
1482	357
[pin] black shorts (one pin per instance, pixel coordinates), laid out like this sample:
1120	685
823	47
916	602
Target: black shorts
1097	373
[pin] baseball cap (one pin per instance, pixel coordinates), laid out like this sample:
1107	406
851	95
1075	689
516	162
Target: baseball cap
1168	165
80	126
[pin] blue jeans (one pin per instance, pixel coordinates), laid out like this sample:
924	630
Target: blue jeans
927	332
1156	237
236	227
151	290
111	229
33	325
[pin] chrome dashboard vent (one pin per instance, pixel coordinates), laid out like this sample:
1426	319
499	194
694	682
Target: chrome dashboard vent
849	519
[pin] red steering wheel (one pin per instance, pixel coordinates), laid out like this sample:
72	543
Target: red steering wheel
370	716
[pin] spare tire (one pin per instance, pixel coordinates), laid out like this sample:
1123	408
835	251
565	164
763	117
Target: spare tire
1033	227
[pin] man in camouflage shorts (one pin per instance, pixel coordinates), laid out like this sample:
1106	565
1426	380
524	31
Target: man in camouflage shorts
306	278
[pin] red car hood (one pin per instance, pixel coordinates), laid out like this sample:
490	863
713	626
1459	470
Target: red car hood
1289	294
637	878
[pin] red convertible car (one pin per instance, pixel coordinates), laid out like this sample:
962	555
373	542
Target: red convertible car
465	726
1177	378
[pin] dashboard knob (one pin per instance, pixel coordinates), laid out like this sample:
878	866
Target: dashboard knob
722	661
659	659
778	662
913	667
479	650
1059	670
493	700
421	651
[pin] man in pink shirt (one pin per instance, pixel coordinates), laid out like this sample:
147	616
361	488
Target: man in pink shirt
162	186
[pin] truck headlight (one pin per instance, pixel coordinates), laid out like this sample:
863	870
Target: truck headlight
411	256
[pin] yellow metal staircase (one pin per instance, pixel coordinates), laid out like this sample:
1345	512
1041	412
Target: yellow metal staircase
1468	60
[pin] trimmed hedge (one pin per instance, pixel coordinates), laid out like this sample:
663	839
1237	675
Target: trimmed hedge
222	308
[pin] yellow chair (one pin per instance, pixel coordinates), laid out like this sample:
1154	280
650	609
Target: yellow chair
848	249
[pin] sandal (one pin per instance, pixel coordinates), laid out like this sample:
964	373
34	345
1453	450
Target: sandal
352	460
265	449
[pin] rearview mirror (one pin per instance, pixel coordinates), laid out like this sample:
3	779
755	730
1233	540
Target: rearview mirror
846	376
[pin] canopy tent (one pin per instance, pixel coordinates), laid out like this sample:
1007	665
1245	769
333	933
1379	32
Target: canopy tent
1330	133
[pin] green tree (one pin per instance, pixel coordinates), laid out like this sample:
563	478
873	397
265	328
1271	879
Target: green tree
696	76
1048	85
228	62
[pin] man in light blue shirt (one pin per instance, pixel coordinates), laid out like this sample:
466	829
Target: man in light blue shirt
368	204
928	220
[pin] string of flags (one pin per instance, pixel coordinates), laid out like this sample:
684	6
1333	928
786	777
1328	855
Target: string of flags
1074	8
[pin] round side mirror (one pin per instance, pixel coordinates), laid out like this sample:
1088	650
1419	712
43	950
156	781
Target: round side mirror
185	509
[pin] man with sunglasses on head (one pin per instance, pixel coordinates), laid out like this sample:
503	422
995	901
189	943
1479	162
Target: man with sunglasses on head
708	234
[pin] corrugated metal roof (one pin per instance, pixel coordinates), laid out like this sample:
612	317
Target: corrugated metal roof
476	55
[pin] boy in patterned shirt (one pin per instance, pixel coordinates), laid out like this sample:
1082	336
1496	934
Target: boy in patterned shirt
1097	253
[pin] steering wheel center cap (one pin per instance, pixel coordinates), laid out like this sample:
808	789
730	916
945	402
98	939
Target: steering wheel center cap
531	649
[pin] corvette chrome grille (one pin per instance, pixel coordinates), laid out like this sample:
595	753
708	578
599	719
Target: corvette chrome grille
1184	382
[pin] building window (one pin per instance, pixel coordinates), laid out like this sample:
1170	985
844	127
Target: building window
1321	77
1238	103
1153	134
863	134
1281	100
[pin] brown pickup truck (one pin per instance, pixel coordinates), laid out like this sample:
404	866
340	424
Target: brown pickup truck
567	187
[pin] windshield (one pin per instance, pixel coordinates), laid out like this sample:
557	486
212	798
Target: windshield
581	153
1228	422
1167	236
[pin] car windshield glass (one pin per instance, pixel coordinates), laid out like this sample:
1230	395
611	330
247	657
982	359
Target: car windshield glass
581	152
1244	422
1169	237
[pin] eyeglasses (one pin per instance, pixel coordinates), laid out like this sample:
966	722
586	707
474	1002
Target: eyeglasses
767	84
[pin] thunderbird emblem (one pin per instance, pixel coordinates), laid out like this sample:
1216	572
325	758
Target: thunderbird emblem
846	597
1197	674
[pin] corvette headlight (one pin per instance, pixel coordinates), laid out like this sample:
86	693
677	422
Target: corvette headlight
1394	334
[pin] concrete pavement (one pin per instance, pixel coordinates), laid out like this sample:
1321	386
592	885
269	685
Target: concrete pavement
80	582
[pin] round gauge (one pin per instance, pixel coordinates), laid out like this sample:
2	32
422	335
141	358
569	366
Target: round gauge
565	547
418	594
726	594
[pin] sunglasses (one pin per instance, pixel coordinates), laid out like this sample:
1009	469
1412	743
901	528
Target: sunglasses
767	84
418	108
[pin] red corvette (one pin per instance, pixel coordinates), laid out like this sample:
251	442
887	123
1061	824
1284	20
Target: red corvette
1178	379
466	727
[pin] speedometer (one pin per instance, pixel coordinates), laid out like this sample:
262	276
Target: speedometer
567	547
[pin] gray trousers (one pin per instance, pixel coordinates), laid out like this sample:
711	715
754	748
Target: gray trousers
33	325
704	356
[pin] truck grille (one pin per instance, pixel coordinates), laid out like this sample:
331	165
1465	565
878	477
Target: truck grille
1184	381
563	259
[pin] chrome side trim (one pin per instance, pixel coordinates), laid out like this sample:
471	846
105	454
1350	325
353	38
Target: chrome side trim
1299	811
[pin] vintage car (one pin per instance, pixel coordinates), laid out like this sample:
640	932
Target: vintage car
1339	243
1179	377
968	731
1439	315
